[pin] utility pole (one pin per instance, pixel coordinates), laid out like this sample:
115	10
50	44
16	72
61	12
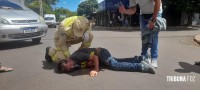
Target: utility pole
41	8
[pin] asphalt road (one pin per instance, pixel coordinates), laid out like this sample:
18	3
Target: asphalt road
177	53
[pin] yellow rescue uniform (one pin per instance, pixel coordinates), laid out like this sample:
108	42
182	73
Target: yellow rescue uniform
71	31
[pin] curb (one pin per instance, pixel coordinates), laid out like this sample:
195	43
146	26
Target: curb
137	28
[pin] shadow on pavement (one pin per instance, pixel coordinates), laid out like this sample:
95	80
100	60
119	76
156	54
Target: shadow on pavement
16	44
117	30
48	66
79	72
188	68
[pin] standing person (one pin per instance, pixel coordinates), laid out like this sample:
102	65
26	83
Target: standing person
72	30
150	10
94	57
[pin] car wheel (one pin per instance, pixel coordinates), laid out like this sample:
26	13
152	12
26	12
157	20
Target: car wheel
36	40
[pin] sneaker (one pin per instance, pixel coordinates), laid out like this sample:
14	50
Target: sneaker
47	57
145	58
154	63
148	68
197	63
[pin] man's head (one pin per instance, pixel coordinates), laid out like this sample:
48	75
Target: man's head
66	66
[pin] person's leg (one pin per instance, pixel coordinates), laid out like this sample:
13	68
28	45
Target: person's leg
57	55
107	59
131	60
135	59
105	54
128	66
143	23
154	47
61	52
124	66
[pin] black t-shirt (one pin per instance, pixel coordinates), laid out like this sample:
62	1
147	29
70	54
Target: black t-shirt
83	55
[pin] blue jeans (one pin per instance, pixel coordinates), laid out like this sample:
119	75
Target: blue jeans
154	45
123	64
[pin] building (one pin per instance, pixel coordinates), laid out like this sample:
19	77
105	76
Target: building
108	14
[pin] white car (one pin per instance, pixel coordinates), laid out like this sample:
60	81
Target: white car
18	22
50	20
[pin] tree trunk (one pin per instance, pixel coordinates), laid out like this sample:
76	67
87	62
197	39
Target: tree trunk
190	17
184	18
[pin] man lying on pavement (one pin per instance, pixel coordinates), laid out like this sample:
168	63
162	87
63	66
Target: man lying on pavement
93	57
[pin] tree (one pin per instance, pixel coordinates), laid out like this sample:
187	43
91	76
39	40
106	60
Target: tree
47	9
188	7
48	2
87	7
35	7
64	12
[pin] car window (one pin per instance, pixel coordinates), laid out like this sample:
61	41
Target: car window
48	18
5	4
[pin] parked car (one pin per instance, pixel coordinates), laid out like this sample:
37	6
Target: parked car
17	22
50	20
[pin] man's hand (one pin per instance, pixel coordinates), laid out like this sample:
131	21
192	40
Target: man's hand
93	73
122	9
151	25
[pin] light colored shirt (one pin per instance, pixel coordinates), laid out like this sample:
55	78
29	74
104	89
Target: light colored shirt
146	6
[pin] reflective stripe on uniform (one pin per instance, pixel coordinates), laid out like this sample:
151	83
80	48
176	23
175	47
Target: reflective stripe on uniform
92	53
66	53
54	58
83	65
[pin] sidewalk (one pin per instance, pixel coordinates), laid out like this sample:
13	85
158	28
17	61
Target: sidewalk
196	38
137	28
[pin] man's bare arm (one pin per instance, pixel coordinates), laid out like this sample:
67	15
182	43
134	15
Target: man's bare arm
156	9
95	59
96	62
129	11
